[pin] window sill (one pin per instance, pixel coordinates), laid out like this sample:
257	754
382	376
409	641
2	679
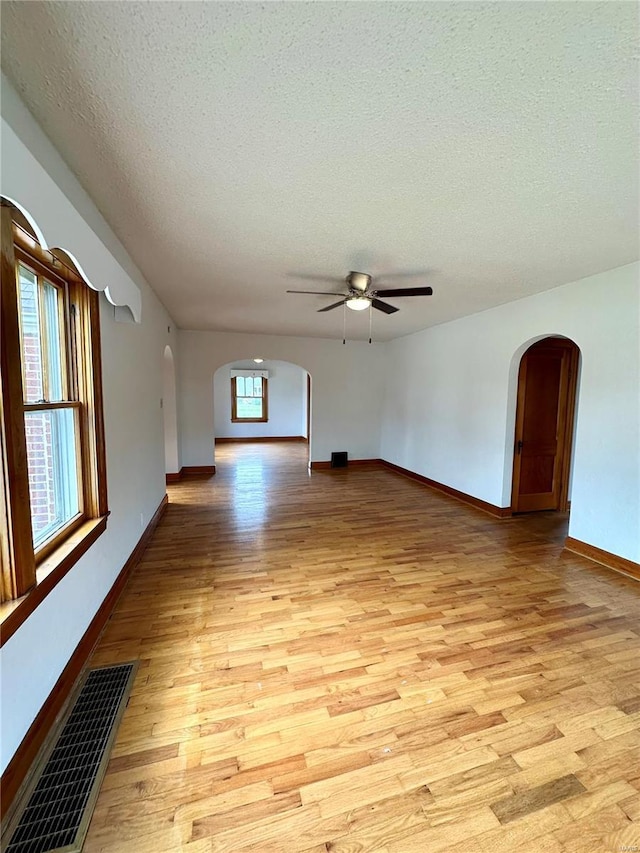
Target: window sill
48	574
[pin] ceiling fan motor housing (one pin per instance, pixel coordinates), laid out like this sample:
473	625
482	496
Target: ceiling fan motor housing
359	281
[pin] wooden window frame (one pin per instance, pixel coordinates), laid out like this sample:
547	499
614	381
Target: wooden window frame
27	575
265	404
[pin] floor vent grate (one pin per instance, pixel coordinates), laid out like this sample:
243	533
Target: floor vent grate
60	800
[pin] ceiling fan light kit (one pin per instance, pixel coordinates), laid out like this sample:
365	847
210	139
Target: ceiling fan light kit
358	303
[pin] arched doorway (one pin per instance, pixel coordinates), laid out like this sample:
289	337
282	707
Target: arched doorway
284	416
547	383
170	413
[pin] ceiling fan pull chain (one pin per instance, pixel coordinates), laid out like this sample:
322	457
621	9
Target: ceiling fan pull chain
344	324
370	319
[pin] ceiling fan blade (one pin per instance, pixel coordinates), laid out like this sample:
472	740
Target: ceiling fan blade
316	292
406	291
331	307
384	306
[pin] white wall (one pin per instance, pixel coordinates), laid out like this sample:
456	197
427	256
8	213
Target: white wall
287	401
450	399
132	359
347	387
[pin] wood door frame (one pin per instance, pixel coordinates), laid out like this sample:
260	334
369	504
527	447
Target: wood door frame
568	407
570	418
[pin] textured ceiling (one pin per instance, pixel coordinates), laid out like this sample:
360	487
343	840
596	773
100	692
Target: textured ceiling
232	144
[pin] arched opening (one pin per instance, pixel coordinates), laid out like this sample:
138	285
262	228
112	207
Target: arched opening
544	424
268	401
170	413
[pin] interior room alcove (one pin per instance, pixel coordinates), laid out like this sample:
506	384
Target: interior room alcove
288	388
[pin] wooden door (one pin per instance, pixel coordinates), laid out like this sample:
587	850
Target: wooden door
544	426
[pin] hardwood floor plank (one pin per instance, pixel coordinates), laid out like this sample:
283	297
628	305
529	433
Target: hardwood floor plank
384	821
530	830
511	808
297	830
545	771
245	813
319	772
594	832
316	679
460	784
437	838
143	758
595	800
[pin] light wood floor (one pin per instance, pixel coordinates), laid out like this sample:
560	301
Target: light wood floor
352	662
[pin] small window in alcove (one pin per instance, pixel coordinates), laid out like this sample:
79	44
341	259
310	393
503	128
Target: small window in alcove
249	399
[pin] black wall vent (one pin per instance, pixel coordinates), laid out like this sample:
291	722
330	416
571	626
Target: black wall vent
339	459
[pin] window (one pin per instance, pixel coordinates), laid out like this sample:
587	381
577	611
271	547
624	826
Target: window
50	404
53	468
249	399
